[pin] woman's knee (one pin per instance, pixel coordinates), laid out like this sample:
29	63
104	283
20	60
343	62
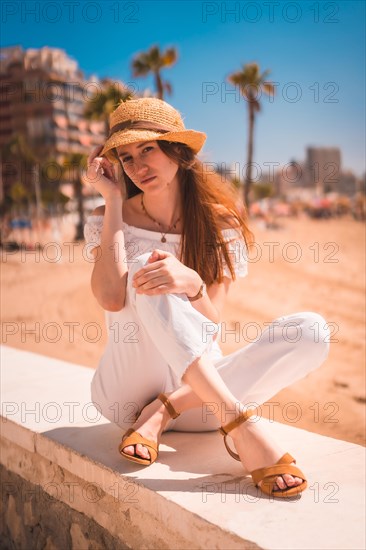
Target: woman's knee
310	331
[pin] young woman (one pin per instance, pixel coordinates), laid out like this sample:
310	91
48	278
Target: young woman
166	251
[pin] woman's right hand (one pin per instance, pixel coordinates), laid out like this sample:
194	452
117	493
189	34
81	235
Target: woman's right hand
100	175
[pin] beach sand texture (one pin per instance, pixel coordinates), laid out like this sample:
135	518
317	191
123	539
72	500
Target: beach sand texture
305	265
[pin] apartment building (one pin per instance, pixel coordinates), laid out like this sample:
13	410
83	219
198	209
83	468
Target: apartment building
42	98
320	173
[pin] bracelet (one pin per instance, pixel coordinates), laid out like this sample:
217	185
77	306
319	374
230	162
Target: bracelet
200	293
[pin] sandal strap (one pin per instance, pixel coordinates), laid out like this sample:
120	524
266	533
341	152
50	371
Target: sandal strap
283	466
277	470
224	430
133	438
230	451
243	416
171	410
268	483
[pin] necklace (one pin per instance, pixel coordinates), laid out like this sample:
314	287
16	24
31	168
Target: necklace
173	226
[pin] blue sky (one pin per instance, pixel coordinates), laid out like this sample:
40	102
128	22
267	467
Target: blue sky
314	50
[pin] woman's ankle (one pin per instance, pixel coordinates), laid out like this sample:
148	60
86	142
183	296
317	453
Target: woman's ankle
184	399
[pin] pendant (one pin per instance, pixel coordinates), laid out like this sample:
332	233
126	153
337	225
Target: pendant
163	239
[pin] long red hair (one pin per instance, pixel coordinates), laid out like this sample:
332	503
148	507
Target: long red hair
207	204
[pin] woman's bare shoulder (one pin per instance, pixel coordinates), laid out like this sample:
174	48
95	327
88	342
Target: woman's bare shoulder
99	211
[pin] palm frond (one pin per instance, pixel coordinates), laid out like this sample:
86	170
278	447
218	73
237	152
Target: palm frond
141	65
153	61
103	103
268	88
249	78
170	57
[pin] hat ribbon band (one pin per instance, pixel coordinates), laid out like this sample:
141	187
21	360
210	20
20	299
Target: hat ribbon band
140	125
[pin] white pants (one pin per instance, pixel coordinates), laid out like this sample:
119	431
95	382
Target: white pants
285	351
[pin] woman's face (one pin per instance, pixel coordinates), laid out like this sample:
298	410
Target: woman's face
147	166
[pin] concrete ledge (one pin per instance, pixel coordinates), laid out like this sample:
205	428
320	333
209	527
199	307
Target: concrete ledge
196	496
32	518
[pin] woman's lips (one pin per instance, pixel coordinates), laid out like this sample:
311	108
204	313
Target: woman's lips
147	180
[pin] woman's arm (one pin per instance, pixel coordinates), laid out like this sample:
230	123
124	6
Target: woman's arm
109	277
212	304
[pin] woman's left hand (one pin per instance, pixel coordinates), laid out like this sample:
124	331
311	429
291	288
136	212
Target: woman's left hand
165	274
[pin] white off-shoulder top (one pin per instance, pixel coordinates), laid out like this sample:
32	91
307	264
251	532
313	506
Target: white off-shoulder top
138	241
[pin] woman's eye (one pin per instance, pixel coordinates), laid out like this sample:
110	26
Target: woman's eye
147	149
126	160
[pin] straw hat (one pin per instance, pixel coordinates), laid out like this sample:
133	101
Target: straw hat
148	119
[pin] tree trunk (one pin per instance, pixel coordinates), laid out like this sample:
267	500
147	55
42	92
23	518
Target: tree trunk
159	85
79	236
248	180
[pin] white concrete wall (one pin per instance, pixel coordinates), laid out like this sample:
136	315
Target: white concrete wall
195	496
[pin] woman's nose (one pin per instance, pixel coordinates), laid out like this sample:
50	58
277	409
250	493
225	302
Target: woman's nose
140	167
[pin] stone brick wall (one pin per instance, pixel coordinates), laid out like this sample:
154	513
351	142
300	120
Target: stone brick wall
32	519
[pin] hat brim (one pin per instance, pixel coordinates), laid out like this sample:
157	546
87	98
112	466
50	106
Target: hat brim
195	140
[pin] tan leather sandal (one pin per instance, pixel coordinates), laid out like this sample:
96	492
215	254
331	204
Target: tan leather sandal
269	474
131	437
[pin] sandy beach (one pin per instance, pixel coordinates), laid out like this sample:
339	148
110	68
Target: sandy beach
306	265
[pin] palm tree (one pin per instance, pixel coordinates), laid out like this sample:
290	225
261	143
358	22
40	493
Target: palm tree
153	61
101	105
24	170
251	83
17	150
72	167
